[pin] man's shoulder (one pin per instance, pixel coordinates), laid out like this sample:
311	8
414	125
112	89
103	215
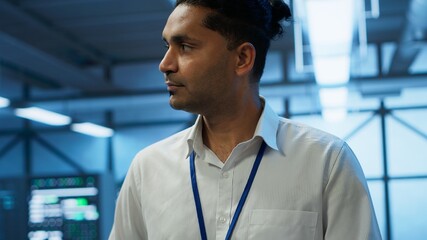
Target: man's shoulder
302	133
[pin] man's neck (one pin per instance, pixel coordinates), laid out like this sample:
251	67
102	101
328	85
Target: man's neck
223	132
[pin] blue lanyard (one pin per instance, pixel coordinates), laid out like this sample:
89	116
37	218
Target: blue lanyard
241	201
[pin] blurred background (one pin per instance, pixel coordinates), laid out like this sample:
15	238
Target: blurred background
81	94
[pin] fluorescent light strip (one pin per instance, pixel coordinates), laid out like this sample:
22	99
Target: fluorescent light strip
43	116
330	24
330	27
4	102
92	129
333	70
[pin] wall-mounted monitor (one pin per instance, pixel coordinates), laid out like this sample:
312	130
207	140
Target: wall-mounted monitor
70	207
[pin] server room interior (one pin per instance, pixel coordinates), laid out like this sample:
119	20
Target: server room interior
96	62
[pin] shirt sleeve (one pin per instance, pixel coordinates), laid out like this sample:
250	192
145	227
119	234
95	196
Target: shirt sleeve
348	210
128	220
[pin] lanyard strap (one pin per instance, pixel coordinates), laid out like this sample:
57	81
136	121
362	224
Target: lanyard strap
241	201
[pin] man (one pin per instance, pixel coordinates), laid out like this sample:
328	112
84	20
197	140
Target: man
240	172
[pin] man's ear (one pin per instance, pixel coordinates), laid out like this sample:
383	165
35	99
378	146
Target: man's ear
245	58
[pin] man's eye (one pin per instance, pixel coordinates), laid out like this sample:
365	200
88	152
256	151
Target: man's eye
185	47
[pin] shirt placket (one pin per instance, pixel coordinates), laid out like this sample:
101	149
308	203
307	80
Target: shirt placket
224	203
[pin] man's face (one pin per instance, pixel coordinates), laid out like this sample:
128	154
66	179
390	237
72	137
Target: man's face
197	66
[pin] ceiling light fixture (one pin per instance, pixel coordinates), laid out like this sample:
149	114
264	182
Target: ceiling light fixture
330	29
43	116
92	129
4	102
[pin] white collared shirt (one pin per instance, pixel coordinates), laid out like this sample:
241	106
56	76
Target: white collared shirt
309	185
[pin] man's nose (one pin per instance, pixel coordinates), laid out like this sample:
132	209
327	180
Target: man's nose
168	63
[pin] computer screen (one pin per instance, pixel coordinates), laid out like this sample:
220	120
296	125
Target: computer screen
65	207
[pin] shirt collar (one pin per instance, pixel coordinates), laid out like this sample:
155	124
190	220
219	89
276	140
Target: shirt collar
267	126
266	129
195	140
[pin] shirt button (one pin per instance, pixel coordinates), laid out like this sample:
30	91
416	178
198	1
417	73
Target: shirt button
225	175
222	219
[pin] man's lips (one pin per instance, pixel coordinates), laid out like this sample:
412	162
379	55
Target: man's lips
172	87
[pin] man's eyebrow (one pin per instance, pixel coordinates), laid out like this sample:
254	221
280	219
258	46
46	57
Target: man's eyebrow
181	39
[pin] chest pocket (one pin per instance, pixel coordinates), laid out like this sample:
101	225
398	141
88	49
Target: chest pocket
282	224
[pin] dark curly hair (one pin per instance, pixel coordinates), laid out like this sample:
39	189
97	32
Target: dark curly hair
239	21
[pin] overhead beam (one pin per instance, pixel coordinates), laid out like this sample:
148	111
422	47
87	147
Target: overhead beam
11	71
364	86
408	49
17	53
38	22
406	53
